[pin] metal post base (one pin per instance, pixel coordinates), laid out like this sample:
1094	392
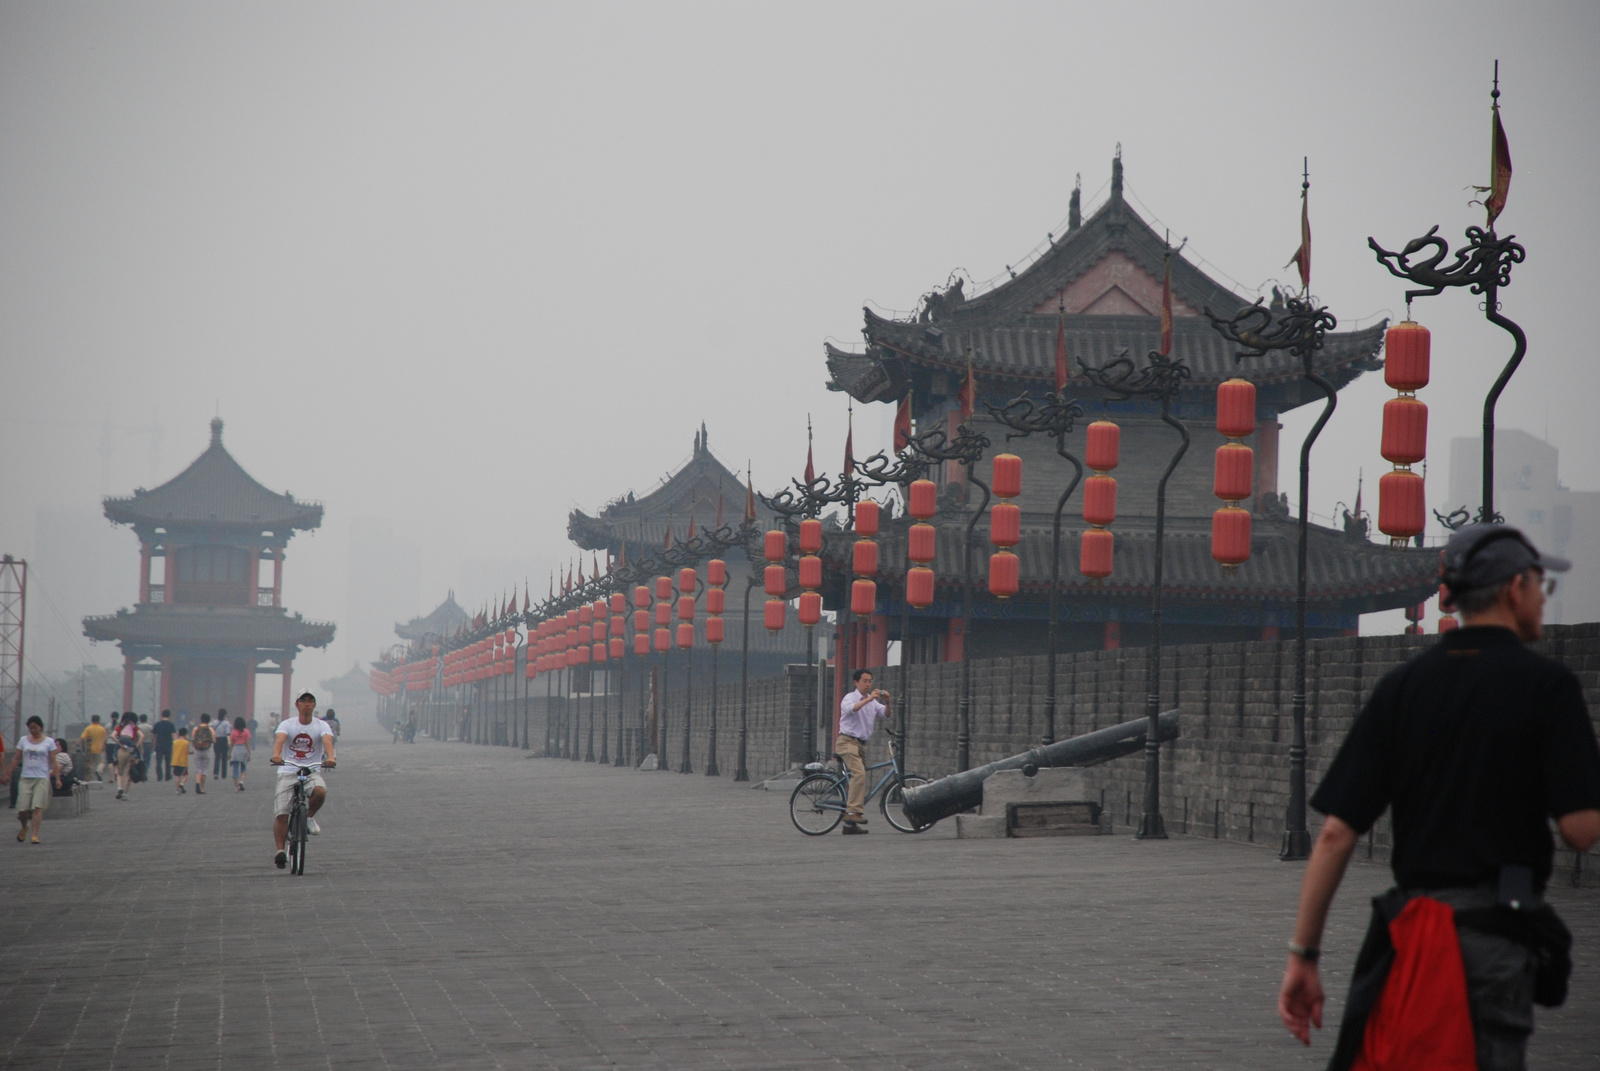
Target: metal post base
1296	846
1151	827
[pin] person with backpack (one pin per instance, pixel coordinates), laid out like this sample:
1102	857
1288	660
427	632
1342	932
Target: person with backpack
200	745
129	739
219	768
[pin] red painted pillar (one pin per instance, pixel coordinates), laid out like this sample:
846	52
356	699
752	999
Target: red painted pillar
254	598
954	640
127	680
169	573
166	687
288	671
277	591
878	641
144	572
1113	636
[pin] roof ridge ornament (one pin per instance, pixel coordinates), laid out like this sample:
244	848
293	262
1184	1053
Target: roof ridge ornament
1116	176
216	431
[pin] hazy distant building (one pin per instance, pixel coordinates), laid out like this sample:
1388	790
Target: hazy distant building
349	695
1529	494
442	624
207	619
385	585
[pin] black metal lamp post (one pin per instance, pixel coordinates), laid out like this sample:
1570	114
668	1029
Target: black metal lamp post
1161	378
743	772
1055	418
1299	330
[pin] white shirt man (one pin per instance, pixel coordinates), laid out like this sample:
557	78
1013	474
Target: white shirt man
859	712
308	741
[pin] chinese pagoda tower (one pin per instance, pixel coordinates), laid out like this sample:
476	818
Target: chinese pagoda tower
209	619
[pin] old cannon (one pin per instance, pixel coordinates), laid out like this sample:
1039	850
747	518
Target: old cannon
926	804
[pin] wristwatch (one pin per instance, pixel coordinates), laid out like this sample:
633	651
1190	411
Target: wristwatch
1310	955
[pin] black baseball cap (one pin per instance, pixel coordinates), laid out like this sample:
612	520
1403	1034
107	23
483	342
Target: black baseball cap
1482	555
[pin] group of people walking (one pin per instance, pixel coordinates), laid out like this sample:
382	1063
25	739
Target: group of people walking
175	752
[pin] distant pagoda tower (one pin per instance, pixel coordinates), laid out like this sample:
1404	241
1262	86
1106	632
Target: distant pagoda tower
206	622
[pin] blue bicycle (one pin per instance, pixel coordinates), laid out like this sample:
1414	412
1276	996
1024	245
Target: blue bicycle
818	802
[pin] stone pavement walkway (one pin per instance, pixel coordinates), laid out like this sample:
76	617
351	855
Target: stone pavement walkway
473	907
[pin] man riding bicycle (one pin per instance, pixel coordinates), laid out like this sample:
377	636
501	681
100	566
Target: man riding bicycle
859	712
309	741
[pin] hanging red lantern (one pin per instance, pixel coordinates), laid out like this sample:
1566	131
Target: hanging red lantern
641	621
1094	553
919	587
863	597
714	630
598	631
686	635
663	613
777	582
1405	430
1234	472
1005	524
618	603
641	644
867	519
1230	536
1236	408
864	558
585	634
663	588
810	571
810	536
686	608
585	614
688	580
1102	447
617	647
600	652
716	601
1448	624
810	608
1100	500
772	615
1003	574
1406	348
775	546
1401	508
924	499
641	596
1007	476
716	572
663	640
581	654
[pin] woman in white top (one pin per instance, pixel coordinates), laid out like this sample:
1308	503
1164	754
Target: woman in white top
128	737
37	756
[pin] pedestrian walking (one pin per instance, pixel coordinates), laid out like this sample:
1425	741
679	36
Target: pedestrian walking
200	744
1474	747
240	754
180	760
147	746
94	735
36	765
129	738
165	731
219	768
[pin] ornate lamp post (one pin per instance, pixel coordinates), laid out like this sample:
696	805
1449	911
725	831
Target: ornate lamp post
716	601
1160	379
688	593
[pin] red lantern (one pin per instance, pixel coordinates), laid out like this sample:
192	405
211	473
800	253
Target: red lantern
1406	348
599	630
617	649
1230	536
585	614
580	654
686	635
641	621
716	601
1094	553
585	633
1003	570
811	571
663	588
1448	624
1100	500
713	630
863	597
641	644
777	583
1405	430
775	546
688	580
619	603
1400	506
864	558
686	608
663	613
663	640
919	587
810	608
1104	441
924	499
600	652
810	536
641	596
1005	524
1236	408
1235	467
772	615
866	519
716	572
619	625
920	543
1007	476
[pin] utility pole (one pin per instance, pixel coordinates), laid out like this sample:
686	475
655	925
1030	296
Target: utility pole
13	629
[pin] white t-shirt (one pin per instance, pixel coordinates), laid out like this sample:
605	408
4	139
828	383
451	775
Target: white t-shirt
304	743
36	757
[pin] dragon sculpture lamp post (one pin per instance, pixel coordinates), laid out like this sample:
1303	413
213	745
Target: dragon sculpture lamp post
1299	330
1161	380
1055	418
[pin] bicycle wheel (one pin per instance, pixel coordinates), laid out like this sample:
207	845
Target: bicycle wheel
817	804
297	840
890	804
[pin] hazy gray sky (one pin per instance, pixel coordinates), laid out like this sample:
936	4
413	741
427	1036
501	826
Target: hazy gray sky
464	267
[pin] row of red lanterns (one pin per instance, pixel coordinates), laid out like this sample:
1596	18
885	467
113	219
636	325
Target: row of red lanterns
1233	475
1401	509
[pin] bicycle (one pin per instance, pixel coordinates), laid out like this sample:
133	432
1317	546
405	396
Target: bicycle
817	805
298	816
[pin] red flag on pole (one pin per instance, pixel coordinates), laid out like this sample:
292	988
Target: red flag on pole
749	495
1302	256
850	444
666	540
968	395
580	572
1061	349
902	424
1166	307
811	469
1499	158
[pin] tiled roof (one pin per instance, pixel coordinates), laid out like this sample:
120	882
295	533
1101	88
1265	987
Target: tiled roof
443	621
215	489
207	626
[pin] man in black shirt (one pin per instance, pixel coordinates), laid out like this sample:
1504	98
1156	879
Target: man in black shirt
1475	744
164	731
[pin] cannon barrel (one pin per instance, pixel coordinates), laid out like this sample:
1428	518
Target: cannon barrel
928	803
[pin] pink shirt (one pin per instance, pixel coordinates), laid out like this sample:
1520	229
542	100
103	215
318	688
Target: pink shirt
859	723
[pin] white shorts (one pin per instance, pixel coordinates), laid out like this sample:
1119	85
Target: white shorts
200	761
285	793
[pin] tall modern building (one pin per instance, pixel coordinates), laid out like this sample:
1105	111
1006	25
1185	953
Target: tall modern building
209	618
